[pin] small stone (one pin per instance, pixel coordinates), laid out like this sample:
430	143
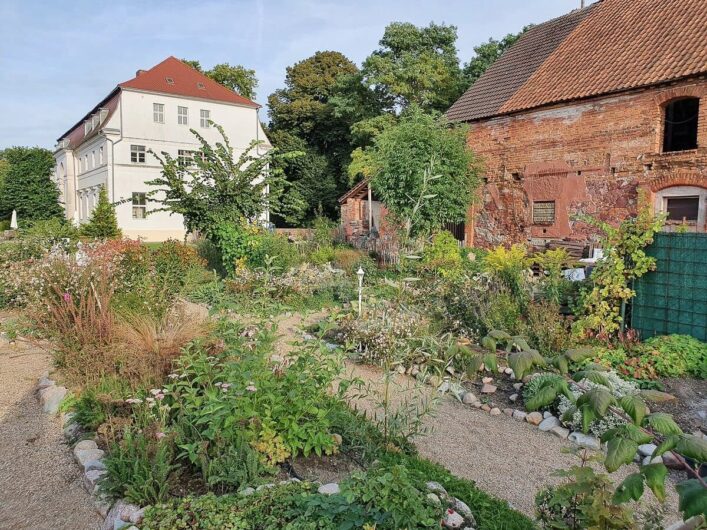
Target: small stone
329	489
338	440
500	369
519	415
547	414
469	398
560	432
452	520
436	487
488	389
137	516
264	487
478	404
102	507
94	465
485	408
85	445
526	379
513	398
414	370
246	492
584	440
671	461
650	460
308	337
91	478
434	499
444	387
87	455
508	370
508	412
534	418
495	411
517	386
463	509
45	382
647	449
549	423
487	380
400	369
51	397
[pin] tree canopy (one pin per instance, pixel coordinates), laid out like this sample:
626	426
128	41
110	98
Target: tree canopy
237	78
26	185
422	171
488	53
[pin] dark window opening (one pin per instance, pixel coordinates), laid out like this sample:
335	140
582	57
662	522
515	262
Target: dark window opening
543	212
682	208
457	230
680	131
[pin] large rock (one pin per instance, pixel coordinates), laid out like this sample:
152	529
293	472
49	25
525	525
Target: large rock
119	516
534	418
463	509
329	489
436	487
91	479
51	397
585	440
519	415
84	445
94	465
45	382
495	411
469	398
549	423
86	456
488	389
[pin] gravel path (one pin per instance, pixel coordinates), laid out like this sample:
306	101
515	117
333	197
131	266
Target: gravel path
40	485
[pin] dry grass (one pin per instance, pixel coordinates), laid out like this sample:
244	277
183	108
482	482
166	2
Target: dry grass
146	345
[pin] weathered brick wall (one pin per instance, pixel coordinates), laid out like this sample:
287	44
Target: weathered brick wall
589	157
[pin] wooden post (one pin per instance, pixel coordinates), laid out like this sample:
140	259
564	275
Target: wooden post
370	208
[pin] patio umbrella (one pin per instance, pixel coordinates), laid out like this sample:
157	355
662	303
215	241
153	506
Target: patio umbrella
13	221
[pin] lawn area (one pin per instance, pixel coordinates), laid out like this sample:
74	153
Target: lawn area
252	394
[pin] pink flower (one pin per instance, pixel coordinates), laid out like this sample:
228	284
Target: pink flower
160	435
67	297
159	396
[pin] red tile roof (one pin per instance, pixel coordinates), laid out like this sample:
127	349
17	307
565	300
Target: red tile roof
186	81
610	46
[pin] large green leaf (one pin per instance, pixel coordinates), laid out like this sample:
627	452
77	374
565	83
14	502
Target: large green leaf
668	444
635	407
630	489
519	343
562	364
655	479
489	343
598	398
577	355
592	375
498	334
636	434
662	423
588	416
543	397
620	451
522	361
693	498
693	447
490	361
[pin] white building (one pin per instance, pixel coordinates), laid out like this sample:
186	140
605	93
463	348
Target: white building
153	111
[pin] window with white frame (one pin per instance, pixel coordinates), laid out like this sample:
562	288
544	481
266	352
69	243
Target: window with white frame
182	115
85	162
93	158
205	117
100	155
185	158
139	205
137	154
158	112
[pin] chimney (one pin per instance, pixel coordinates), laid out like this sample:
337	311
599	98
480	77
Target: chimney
140	72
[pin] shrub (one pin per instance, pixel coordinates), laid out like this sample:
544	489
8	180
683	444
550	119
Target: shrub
443	256
322	255
173	261
510	266
211	254
103	223
285	255
547	330
49	231
679	355
535	395
551	263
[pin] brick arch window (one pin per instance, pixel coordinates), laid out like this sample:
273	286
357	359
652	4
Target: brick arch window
680	124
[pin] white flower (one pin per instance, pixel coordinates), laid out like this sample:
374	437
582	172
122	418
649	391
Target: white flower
251	388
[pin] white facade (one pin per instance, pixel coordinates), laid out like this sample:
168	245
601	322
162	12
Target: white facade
115	153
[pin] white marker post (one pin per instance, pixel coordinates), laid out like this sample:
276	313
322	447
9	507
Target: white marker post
360	274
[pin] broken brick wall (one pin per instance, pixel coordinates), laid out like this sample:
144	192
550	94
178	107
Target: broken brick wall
590	157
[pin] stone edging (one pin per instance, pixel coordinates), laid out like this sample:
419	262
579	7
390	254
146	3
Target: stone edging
118	515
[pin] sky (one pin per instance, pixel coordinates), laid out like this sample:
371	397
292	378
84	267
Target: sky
59	58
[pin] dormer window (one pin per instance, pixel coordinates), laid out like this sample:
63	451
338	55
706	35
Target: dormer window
680	125
169	80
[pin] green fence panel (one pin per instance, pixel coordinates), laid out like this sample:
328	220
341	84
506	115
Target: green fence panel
673	298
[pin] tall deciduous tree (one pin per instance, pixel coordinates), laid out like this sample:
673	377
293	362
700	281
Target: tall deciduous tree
27	186
237	78
422	171
303	109
415	65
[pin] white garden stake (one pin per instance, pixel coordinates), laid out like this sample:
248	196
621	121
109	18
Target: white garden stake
360	274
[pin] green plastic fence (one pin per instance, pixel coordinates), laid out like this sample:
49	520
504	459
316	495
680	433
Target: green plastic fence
673	298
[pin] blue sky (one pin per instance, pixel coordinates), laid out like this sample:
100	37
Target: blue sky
59	58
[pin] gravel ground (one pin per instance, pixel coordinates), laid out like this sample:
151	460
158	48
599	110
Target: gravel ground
40	485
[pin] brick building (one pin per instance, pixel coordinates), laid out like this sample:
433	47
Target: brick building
583	112
579	115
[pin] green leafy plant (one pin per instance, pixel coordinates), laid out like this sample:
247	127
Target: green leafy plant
443	256
543	389
551	264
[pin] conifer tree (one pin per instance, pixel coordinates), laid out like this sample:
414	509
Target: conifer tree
103	223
